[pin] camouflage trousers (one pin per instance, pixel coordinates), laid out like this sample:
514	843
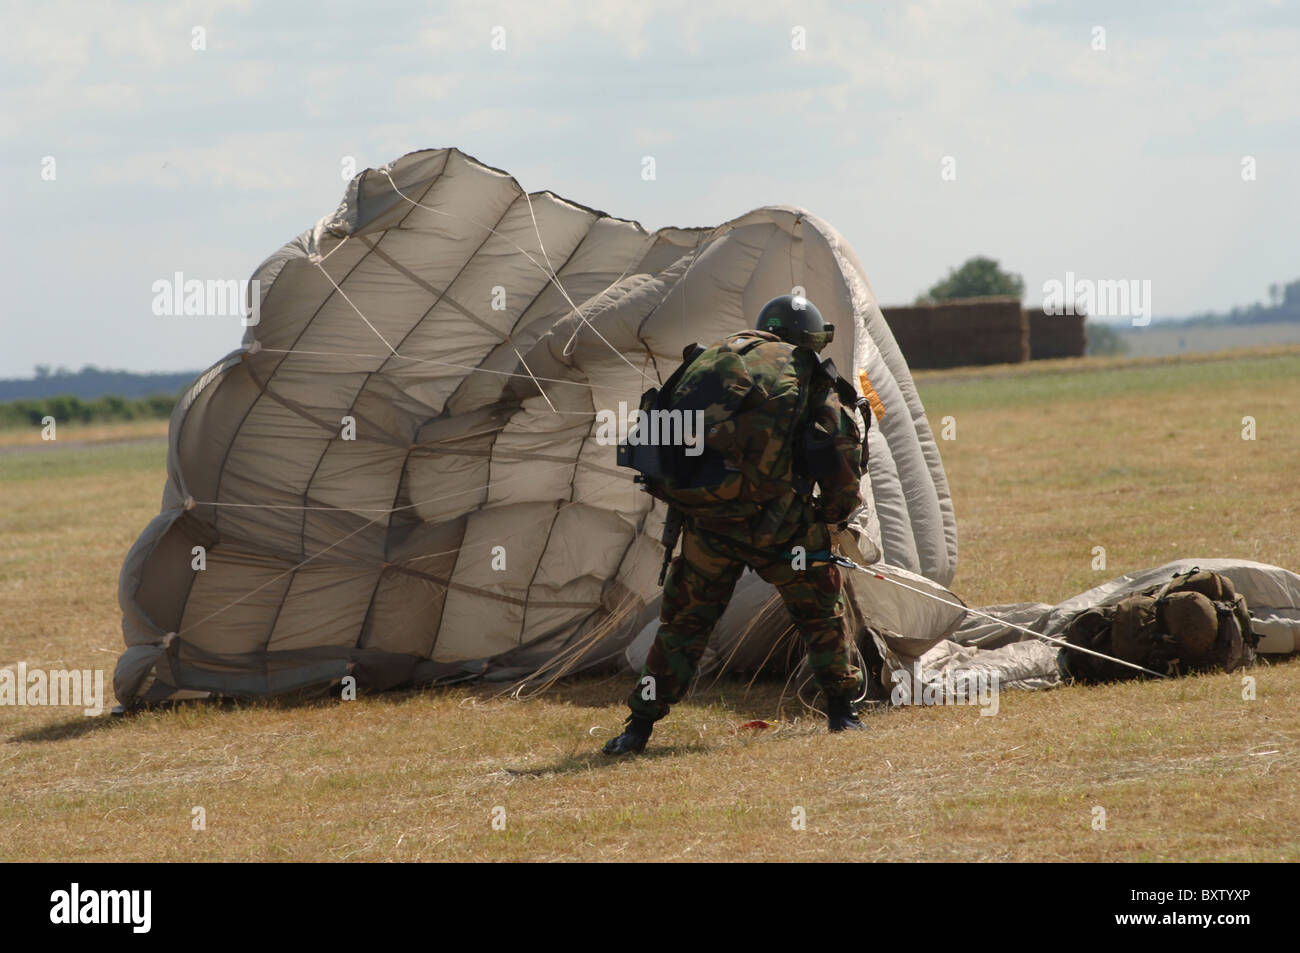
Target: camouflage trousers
697	590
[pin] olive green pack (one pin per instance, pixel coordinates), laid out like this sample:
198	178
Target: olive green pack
1195	622
751	392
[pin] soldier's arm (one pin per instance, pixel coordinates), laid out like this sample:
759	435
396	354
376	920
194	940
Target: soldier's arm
840	482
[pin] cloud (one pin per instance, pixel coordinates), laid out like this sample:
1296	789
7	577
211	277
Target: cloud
530	26
236	161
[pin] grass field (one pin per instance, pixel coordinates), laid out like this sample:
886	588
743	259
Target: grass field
1145	458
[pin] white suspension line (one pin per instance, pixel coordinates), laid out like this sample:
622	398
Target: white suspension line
848	563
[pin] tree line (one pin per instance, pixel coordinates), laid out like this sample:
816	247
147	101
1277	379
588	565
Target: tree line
67	408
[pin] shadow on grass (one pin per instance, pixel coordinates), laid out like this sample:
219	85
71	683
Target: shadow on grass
64	730
761	700
575	763
77	727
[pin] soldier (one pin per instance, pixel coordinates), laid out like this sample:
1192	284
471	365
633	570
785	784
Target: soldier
777	421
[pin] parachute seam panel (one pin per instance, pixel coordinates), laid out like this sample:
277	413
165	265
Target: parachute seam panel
496	596
681	280
261	385
302	534
189	589
518	321
523	623
439	294
554	277
397	490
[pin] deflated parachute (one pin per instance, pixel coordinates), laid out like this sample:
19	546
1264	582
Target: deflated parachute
399	474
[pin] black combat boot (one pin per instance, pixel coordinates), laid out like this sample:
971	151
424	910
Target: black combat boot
841	716
633	738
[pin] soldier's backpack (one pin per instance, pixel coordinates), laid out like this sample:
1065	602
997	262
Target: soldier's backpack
1195	622
749	397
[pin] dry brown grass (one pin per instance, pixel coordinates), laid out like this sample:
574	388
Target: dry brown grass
1145	458
1146	461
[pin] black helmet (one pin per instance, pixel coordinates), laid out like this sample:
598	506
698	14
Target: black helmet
795	320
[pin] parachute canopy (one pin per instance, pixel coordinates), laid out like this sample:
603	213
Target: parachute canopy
399	475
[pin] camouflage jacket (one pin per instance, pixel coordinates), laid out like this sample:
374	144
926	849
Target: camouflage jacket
758	395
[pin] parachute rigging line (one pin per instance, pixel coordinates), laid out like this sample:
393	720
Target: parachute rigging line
850	564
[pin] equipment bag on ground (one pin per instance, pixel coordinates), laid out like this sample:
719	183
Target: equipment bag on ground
1195	622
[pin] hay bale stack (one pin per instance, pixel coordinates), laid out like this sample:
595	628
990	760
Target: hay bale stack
961	332
1056	335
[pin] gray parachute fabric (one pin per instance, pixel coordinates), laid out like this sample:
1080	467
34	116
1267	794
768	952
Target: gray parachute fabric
954	649
400	476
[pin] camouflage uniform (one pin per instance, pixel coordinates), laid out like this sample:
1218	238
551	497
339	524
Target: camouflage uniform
759	512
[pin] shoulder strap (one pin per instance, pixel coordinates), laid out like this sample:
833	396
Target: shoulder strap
1178	578
848	395
743	345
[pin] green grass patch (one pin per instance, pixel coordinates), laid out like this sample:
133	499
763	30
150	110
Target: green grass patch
50	461
1200	380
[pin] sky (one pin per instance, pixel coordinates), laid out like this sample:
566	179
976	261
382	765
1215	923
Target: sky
1110	140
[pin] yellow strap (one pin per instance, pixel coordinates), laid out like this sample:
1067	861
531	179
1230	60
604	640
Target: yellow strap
869	392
